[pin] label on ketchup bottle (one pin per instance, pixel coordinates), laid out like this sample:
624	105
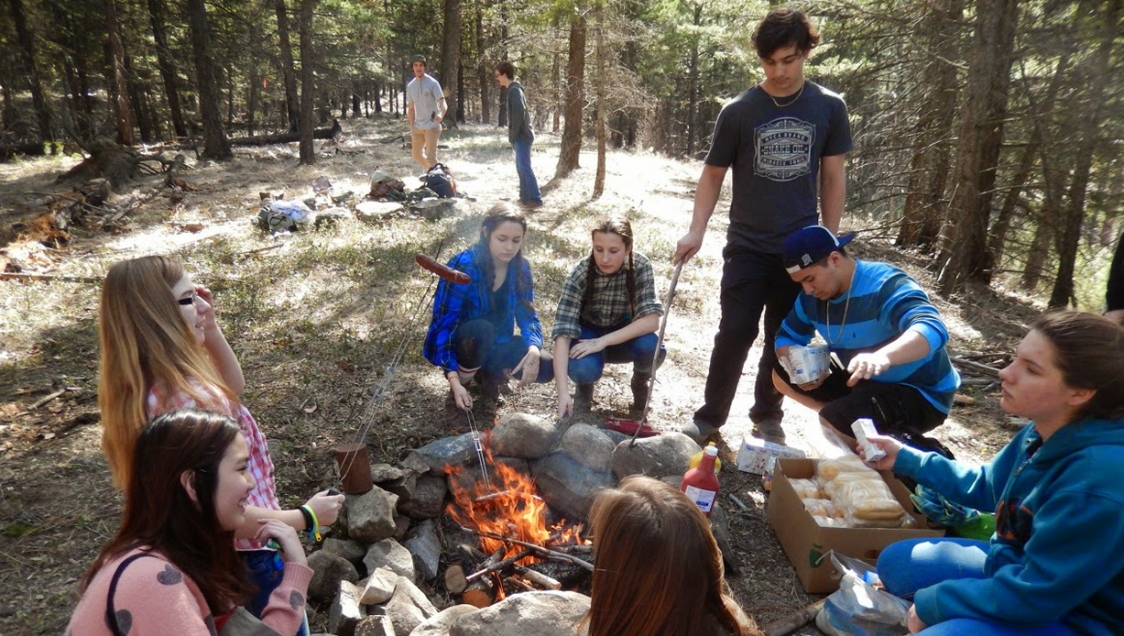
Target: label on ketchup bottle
704	499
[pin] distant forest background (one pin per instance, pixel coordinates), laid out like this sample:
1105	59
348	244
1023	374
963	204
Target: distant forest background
985	132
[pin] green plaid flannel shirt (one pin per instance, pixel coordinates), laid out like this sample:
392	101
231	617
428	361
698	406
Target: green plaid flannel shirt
609	306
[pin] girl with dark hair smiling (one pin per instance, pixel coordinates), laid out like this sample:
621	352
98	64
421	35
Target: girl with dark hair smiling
172	567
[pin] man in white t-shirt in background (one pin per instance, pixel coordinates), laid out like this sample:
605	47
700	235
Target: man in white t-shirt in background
425	110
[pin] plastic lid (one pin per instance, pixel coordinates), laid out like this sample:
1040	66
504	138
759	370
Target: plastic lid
712	450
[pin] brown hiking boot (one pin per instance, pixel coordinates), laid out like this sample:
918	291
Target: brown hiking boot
641	392
770	429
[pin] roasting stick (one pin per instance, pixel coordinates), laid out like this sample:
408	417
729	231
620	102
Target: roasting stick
656	355
547	551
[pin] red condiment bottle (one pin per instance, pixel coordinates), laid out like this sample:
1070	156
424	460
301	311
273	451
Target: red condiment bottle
700	484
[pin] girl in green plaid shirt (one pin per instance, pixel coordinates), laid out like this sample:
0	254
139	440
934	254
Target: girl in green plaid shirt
608	313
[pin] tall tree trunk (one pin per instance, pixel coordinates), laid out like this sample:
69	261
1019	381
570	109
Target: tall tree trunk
568	158
1088	140
599	178
929	166
166	63
137	101
451	58
254	77
460	114
964	235
693	85
292	104
122	110
1002	225
484	75
215	144
308	90
27	48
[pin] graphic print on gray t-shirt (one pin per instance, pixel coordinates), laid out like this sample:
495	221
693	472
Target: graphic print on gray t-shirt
784	148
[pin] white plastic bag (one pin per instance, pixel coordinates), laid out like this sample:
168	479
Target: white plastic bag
858	608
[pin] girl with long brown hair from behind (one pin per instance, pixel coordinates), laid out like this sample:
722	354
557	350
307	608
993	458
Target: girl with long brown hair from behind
658	570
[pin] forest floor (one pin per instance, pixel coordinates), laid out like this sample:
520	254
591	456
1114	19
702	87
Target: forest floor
316	321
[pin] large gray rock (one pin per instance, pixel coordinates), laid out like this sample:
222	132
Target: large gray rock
447	451
660	456
527	614
523	435
390	554
385	472
370	517
425	545
428	500
590	446
375	626
438	624
346	611
351	550
404	485
327	571
379	587
409	607
569	486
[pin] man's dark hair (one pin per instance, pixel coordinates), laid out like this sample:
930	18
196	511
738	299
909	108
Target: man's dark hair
784	27
507	68
419	58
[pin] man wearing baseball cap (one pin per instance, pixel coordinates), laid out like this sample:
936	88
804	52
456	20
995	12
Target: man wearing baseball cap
886	337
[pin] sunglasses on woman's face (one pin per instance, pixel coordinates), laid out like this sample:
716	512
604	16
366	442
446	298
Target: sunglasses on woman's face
190	300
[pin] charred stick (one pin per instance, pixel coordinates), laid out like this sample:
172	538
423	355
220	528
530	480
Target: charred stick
497	495
551	553
538	578
519	584
499	565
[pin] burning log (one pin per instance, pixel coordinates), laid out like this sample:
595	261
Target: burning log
519	584
499	565
482	591
455	580
539	578
538	548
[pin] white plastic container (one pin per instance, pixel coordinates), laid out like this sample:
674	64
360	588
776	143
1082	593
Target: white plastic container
863	427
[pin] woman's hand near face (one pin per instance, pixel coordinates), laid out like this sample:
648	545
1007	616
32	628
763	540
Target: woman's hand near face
291	549
206	308
529	366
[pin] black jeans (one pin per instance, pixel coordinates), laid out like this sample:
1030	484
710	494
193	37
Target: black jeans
752	283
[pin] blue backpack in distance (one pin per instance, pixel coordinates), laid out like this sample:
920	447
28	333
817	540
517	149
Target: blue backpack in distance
440	180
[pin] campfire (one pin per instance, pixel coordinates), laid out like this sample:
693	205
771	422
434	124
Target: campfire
519	548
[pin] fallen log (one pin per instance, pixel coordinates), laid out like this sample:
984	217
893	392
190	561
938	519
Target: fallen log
34	149
285	138
794	621
975	366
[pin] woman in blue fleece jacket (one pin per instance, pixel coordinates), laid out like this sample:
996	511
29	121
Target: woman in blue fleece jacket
1056	562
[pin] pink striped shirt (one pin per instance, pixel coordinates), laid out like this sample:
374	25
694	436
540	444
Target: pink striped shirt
161	400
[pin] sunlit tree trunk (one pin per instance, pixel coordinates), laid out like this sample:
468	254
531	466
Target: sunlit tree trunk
450	58
292	103
167	65
122	110
599	178
215	144
27	47
308	89
568	158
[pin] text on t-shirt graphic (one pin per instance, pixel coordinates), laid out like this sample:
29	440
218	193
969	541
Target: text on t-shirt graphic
784	148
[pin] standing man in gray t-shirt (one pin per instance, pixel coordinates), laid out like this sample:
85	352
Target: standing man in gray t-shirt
425	109
786	139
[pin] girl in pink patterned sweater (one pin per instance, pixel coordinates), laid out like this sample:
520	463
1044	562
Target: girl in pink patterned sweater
162	349
172	568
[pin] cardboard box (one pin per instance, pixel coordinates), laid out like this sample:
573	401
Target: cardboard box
806	543
754	454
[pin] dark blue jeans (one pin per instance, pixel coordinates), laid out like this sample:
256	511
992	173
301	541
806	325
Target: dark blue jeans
752	283
476	346
528	184
265	570
638	351
914	564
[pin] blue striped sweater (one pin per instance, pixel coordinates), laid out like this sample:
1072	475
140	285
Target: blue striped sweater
884	303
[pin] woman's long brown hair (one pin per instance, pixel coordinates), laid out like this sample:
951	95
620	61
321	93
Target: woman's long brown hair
144	339
658	570
160	516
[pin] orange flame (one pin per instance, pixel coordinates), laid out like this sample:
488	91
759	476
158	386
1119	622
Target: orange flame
508	507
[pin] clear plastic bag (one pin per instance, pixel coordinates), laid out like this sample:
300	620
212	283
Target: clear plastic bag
859	607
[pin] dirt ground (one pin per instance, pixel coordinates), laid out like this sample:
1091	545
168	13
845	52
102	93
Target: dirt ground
317	321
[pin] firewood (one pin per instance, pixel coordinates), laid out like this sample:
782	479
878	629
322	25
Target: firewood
480	593
519	584
499	565
539	578
455	580
794	621
545	551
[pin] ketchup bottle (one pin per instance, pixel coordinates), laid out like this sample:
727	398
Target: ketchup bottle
700	483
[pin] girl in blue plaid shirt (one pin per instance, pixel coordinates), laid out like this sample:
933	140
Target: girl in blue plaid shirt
472	334
608	313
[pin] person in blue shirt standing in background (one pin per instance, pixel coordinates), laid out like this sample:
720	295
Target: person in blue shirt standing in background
520	136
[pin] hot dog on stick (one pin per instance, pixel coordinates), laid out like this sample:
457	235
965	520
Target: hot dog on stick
448	273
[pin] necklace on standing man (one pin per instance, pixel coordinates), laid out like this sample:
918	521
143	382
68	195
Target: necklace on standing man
790	102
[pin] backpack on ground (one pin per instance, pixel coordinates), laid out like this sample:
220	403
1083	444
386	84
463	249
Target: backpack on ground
440	180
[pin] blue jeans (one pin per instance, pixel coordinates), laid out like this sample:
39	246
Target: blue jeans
476	346
265	570
528	184
908	566
638	351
